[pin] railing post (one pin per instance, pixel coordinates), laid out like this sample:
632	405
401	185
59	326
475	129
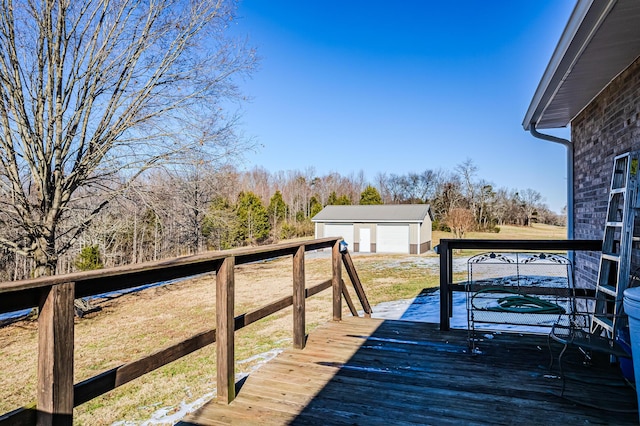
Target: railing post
298	299
225	329
55	355
336	281
445	279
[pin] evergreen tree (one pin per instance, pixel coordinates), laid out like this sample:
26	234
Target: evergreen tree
277	212
253	220
219	224
343	200
334	200
314	206
370	196
277	209
89	259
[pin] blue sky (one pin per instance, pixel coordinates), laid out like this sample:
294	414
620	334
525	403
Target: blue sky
401	87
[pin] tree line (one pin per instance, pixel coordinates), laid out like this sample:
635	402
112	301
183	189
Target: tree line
169	213
117	120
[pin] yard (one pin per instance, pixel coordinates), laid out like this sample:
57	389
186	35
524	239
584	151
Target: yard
136	324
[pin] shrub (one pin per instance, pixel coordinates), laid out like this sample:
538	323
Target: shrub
89	259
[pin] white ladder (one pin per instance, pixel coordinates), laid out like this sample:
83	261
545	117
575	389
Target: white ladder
617	245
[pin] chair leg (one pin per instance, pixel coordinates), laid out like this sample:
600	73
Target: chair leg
550	353
471	333
564	380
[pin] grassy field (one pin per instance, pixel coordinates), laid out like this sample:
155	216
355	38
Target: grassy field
509	232
132	326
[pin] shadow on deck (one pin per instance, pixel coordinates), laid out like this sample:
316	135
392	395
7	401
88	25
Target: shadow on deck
371	371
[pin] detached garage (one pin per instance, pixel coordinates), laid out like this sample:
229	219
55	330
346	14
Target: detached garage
401	228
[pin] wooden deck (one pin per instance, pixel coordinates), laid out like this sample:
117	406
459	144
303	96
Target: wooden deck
373	372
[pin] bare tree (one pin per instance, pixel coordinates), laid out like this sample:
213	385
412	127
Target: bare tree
425	185
467	171
95	92
396	186
258	180
486	201
448	194
460	221
193	187
324	186
531	202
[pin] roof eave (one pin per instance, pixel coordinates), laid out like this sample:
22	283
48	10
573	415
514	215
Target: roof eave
586	18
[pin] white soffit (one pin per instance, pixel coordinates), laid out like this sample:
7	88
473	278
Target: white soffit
601	39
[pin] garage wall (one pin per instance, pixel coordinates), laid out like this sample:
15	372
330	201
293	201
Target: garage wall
340	230
426	235
414	238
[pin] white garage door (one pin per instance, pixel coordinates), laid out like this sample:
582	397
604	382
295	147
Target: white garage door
392	239
340	230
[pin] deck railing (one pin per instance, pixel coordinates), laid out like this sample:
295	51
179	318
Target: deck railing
57	395
447	246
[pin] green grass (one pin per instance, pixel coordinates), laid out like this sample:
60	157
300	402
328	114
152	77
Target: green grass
406	282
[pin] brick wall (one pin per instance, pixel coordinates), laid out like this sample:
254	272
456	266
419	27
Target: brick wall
609	126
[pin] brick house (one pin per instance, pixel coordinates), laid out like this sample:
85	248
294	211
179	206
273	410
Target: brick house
592	83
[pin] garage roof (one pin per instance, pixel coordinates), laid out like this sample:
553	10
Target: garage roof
601	39
382	213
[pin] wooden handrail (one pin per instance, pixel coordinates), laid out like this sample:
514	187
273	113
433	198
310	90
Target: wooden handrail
25	293
447	246
57	395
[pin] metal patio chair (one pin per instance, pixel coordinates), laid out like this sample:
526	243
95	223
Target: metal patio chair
575	330
516	292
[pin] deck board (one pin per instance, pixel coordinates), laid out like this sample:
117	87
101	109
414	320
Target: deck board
372	372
